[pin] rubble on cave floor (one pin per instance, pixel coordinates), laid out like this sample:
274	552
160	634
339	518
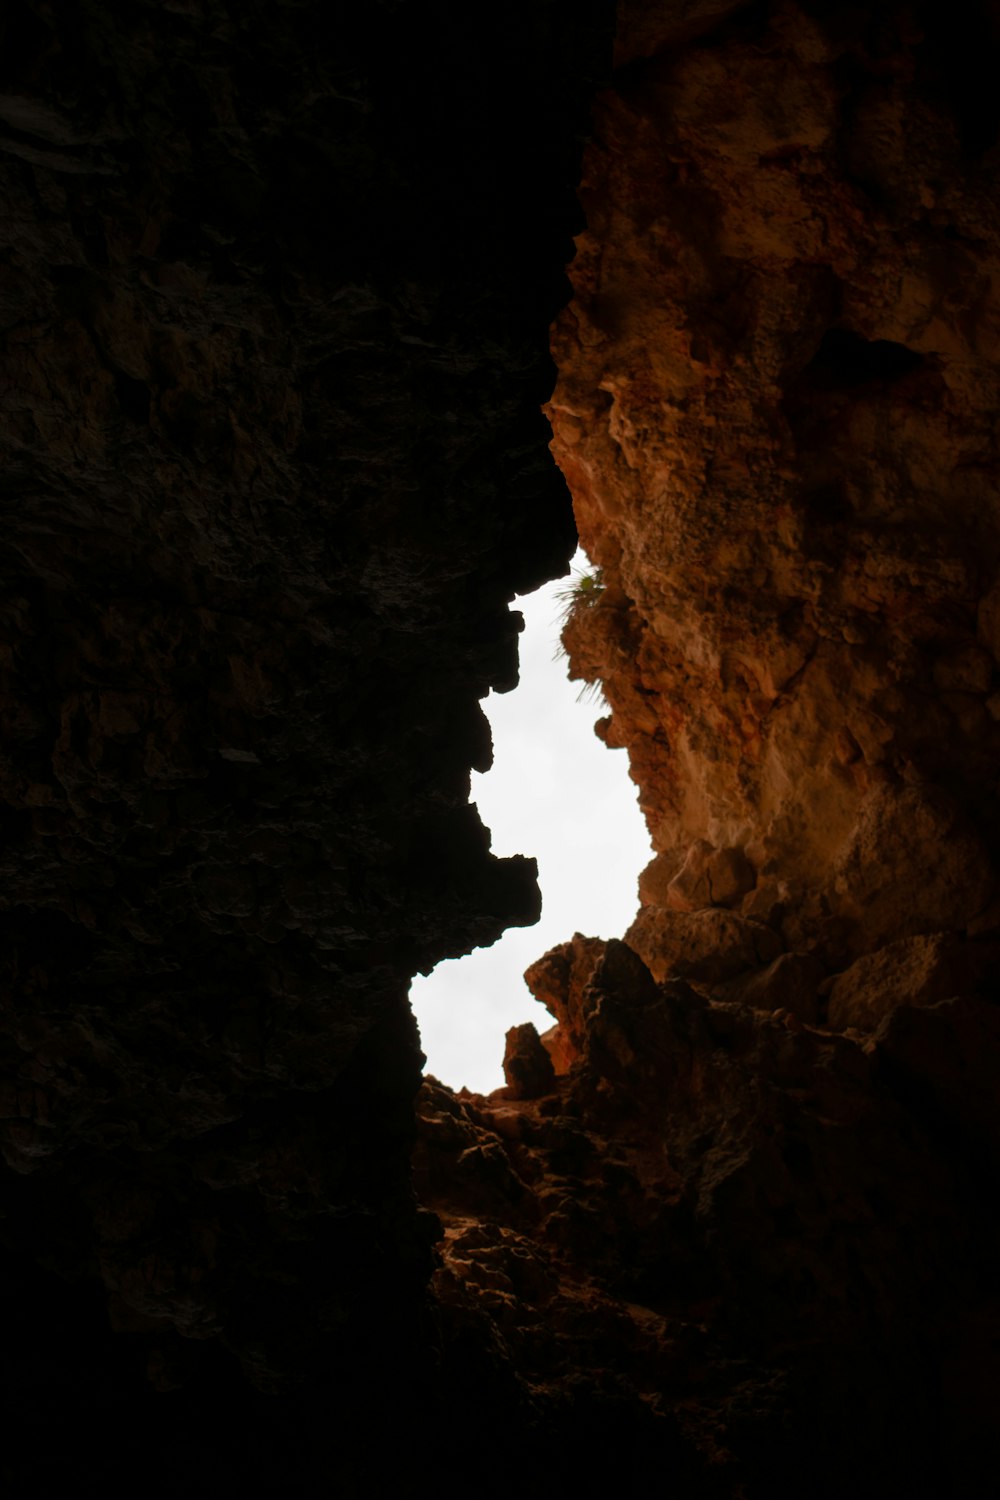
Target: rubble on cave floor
716	1206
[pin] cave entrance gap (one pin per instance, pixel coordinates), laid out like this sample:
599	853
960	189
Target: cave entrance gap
555	792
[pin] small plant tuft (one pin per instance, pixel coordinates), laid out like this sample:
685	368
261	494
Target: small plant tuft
582	592
593	692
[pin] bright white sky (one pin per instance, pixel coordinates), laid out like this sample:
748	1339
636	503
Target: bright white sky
555	792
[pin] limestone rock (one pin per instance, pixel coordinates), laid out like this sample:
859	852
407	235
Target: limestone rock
621	972
275	290
707	877
527	1065
776	408
712	1145
770	423
911	971
559	980
896	830
791	983
275	294
706	946
657	877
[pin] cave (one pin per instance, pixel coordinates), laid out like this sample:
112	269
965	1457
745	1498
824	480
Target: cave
327	332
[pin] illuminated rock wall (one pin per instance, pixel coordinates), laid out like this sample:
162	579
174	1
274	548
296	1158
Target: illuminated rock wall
776	410
753	1207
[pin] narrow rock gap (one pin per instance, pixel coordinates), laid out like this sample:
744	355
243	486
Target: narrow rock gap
556	793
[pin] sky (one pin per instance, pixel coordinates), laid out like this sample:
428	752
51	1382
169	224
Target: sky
555	792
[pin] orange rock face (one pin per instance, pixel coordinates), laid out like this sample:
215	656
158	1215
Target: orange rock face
776	410
558	980
754	1202
527	1065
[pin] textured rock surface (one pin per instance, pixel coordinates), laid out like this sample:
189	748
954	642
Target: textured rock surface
776	409
913	971
275	291
274	294
762	1244
558	980
527	1066
765	1167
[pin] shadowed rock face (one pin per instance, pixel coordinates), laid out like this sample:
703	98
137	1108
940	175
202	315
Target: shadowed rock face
761	1243
274	300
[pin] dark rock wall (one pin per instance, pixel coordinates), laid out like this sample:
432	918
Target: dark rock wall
275	286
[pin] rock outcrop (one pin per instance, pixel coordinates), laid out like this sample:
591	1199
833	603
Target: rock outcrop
776	409
275	294
760	1245
756	1199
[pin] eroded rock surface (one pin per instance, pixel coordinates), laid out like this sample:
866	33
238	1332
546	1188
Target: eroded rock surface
274	297
761	1244
765	1168
275	291
776	409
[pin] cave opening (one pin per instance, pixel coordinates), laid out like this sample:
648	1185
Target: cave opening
555	793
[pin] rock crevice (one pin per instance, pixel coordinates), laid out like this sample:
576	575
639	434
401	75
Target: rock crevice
276	283
766	1145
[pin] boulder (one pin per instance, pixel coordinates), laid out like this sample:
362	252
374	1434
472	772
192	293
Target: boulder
790	983
527	1065
704	947
912	971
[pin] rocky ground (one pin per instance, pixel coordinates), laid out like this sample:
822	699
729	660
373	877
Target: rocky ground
767	1243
